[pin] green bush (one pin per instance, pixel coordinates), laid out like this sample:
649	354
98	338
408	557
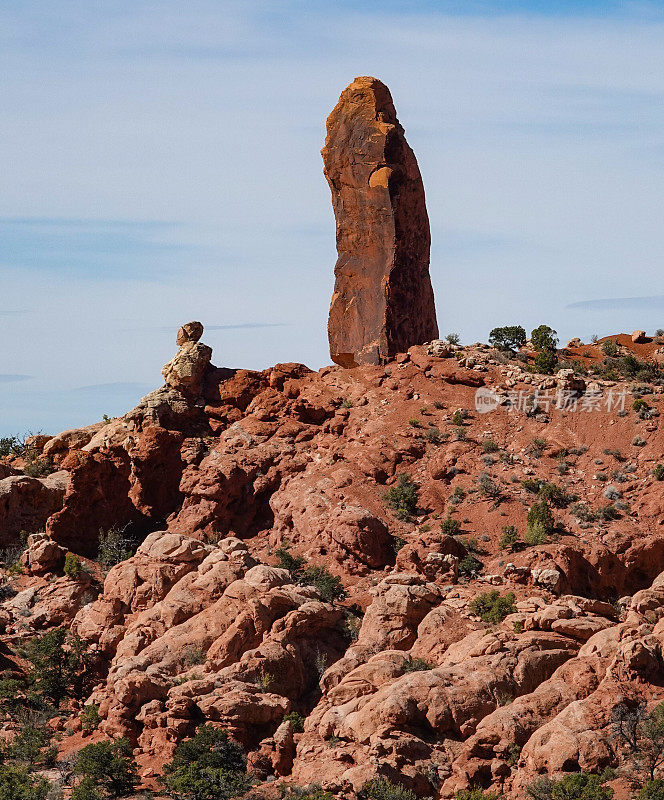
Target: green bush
658	472
509	538
469	566
90	718
16	783
106	769
416	665
57	663
545	362
73	567
328	586
459	416
450	527
489	446
209	766
114	546
652	790
610	348
296	720
475	794
640	405
509	338
384	789
491	607
31	746
402	498
577	786
540	523
312	792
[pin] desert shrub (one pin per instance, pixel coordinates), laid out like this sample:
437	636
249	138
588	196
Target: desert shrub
475	794
434	435
16	783
554	495
583	512
296	720
114	546
31	746
469	565
491	607
90	718
658	472
610	348
540	523
286	560
639	734
452	338
415	423
311	792
509	538
209	766
38	466
384	789
640	404
328	586
488	487
537	447
638	441
489	446
509	338
402	498
450	527
105	769
531	485
57	663
194	656
416	665
577	786
608	513
651	790
459	416
73	567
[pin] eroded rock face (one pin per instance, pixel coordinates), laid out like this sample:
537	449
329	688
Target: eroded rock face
383	301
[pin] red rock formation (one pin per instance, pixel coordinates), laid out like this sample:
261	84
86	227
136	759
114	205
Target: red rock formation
383	301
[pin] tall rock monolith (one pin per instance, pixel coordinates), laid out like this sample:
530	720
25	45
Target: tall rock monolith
383	301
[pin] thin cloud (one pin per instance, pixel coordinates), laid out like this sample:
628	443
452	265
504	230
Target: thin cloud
245	325
619	303
117	387
10	378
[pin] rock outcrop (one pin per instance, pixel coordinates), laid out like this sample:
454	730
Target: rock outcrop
383	301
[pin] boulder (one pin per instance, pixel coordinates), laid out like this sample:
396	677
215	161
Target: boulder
638	337
383	301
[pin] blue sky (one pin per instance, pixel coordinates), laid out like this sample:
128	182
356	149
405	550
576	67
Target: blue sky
161	163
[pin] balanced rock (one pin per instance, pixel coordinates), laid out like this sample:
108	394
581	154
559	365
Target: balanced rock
185	372
383	300
189	332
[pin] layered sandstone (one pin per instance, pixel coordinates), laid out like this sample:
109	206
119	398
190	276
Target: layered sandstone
383	301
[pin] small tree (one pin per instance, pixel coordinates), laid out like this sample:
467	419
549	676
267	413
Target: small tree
540	523
57	662
640	735
209	766
508	338
544	338
73	567
16	783
402	498
107	769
